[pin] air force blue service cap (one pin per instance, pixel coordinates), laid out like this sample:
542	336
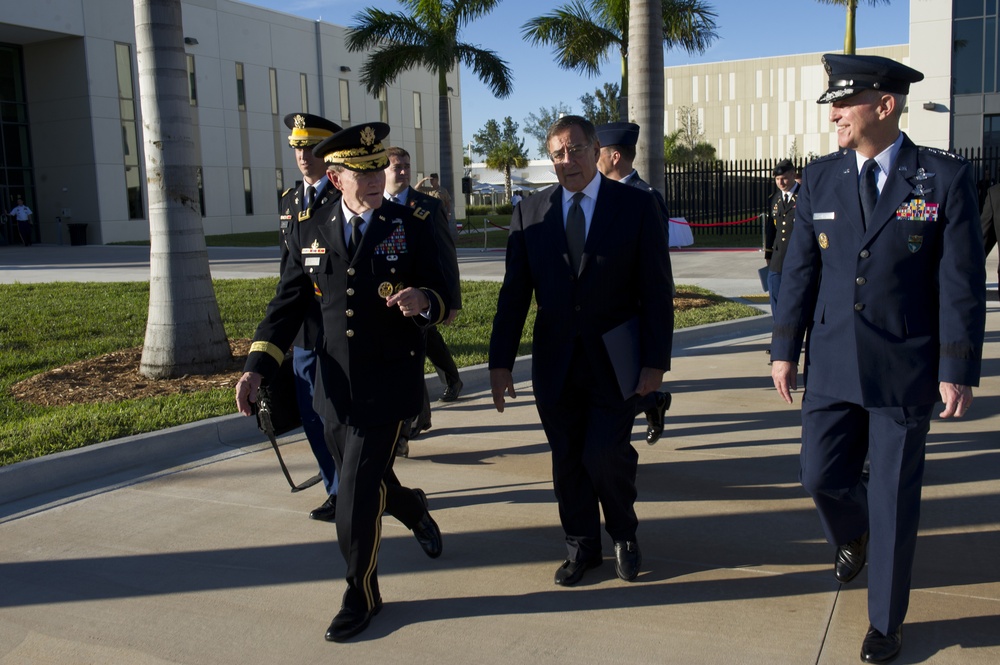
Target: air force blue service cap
851	74
618	133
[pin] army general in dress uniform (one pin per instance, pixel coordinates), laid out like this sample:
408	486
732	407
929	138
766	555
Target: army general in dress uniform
886	270
373	268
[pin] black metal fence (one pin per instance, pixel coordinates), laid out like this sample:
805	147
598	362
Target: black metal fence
727	198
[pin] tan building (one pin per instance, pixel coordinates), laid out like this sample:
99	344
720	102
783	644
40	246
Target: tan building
764	108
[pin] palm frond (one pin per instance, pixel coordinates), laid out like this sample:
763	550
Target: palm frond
689	24
488	68
385	64
580	42
373	27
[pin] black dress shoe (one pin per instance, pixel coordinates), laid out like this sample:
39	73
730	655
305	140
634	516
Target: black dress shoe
452	392
571	572
628	559
851	559
418	426
327	512
349	622
656	416
427	533
879	648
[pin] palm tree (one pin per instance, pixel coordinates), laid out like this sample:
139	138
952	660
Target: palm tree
503	149
427	37
646	103
184	333
852	10
584	34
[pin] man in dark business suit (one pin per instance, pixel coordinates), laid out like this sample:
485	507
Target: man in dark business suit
302	204
593	252
885	268
618	141
429	208
373	268
990	219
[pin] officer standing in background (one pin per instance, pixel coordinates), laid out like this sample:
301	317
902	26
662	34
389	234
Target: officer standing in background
373	268
304	204
886	271
778	225
430	209
618	140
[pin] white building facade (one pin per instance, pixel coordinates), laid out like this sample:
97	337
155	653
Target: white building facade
70	121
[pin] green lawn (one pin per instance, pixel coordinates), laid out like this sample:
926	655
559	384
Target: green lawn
46	326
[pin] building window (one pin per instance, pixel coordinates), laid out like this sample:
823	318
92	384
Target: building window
192	82
304	92
383	106
345	103
279	180
130	136
273	76
201	192
241	94
416	111
247	191
974	46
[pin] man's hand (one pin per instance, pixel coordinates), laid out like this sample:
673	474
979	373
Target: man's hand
501	381
411	301
650	379
783	373
957	399
246	392
451	316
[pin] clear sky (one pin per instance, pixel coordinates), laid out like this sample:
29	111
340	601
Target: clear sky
746	29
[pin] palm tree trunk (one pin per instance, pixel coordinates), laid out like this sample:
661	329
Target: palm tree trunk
849	36
444	129
184	333
646	105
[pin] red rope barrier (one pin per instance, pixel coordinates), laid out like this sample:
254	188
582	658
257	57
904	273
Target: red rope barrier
742	221
505	228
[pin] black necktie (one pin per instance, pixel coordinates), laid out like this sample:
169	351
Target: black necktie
310	196
352	246
576	232
868	190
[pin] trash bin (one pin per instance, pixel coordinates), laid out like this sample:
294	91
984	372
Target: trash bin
77	234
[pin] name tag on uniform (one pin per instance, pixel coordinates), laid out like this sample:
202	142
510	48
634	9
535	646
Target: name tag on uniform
822	215
312	260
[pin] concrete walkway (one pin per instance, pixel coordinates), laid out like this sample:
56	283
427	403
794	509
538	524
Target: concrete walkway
193	550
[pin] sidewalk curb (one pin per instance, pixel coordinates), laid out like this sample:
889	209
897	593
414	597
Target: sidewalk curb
169	447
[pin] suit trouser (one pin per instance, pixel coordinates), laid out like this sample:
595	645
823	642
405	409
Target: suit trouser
304	368
589	427
368	487
836	436
439	355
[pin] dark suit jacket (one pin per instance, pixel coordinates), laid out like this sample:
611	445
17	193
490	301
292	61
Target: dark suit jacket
291	216
990	218
778	228
423	204
370	355
898	306
624	273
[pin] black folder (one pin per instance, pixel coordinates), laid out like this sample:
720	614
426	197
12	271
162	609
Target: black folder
622	343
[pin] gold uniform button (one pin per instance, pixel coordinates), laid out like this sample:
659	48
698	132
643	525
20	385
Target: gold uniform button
350	333
350	312
350	271
350	292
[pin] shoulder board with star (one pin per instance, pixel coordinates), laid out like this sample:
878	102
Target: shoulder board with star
940	153
827	158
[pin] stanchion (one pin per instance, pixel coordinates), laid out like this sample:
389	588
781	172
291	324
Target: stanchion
486	231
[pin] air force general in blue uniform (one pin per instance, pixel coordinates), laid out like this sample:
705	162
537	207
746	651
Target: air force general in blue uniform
886	272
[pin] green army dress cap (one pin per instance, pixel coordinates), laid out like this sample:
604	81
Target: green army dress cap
358	148
308	129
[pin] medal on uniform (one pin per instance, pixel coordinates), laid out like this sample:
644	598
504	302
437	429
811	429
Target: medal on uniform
399	287
922	174
913	243
824	242
314	248
385	290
